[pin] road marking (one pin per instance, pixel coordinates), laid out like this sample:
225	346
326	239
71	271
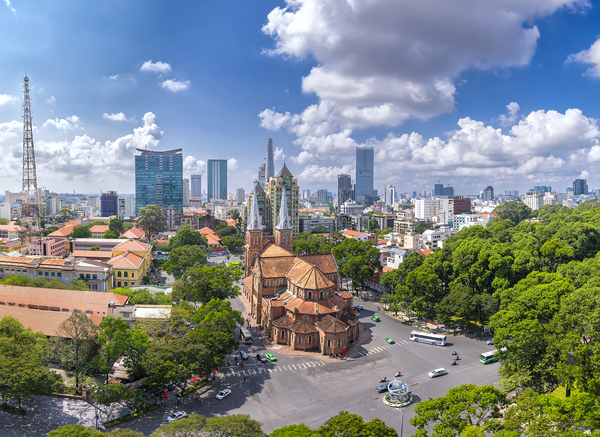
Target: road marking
363	354
294	366
304	365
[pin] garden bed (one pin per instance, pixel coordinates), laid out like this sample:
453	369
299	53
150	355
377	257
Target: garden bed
130	416
192	388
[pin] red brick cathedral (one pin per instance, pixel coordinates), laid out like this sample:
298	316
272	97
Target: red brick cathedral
295	298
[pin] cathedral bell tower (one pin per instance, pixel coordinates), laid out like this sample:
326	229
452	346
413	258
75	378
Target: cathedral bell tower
254	235
283	230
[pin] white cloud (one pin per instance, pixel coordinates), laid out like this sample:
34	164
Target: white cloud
191	165
175	85
51	99
380	62
5	99
513	110
278	154
63	124
232	164
7	3
589	56
324	174
114	117
154	67
10	129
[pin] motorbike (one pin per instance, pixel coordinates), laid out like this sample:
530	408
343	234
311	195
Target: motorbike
398	374
454	353
384	379
454	363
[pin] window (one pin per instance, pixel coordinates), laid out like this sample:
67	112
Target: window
299	339
282	334
321	294
94	276
59	274
40	273
309	339
132	275
125	274
52	274
328	343
339	343
118	284
310	294
87	276
119	275
45	273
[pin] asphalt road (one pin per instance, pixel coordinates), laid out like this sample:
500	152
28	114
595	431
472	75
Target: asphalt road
299	389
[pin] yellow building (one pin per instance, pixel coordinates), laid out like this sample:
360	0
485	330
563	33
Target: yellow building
128	269
139	248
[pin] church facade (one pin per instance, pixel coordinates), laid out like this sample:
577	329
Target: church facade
295	298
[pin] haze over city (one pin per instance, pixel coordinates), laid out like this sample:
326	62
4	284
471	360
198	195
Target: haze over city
500	99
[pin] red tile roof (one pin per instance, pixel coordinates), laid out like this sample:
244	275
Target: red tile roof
65	231
99	229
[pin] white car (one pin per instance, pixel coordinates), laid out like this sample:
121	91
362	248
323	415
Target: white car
437	372
223	394
176	416
490	342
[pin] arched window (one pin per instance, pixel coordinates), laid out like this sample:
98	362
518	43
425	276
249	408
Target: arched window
282	334
309	339
310	294
125	274
119	273
321	295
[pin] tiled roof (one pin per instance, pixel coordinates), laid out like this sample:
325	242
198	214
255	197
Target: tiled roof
126	260
325	262
351	233
387	269
275	267
294	303
345	294
248	282
132	245
207	231
46	322
134	233
11	228
305	275
425	252
320	307
65	231
272	250
303	327
104	254
231	222
213	239
99	228
283	322
331	325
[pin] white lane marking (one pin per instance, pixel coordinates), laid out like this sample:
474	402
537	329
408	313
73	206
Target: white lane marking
363	354
294	366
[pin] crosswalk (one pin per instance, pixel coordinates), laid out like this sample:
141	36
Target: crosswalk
379	349
257	370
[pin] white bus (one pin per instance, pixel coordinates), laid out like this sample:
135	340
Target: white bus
491	356
426	337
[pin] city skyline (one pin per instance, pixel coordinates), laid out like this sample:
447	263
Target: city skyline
96	97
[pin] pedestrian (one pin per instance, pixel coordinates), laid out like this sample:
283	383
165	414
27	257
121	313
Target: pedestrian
242	364
244	379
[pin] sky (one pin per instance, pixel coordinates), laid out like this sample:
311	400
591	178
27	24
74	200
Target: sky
463	92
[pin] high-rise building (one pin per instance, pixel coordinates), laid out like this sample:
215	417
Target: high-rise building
426	208
306	193
270	167
240	195
262	174
217	179
364	174
488	194
534	200
322	196
108	204
438	190
94	201
542	188
344	189
186	191
159	179
580	187
448	191
196	181
284	180
389	195
125	207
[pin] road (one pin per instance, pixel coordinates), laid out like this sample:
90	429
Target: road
299	389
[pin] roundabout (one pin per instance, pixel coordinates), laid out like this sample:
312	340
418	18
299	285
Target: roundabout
398	395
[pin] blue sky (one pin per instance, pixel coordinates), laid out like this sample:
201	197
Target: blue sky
467	92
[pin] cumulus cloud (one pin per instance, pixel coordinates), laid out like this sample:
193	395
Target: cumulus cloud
10	129
232	164
589	56
191	165
63	124
155	67
114	117
8	5
175	85
513	110
5	99
324	174
278	154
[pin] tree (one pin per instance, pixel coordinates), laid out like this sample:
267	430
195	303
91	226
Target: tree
462	406
80	329
516	211
374	225
81	232
151	219
233	425
76	431
226	231
353	425
358	260
3	221
232	242
202	283
65	212
187	236
116	225
95	248
111	235
300	430
192	426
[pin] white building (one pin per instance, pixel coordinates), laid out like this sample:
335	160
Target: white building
389	195
350	207
322	196
534	200
196	190
126	207
11	198
413	241
186	192
5	210
426	208
433	239
462	220
360	236
94	201
240	195
396	256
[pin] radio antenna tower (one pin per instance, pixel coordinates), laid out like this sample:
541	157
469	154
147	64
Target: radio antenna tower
29	177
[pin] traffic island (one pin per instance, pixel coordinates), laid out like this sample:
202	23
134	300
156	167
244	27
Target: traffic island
398	395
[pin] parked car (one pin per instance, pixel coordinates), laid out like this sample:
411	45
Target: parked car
270	357
176	416
243	355
437	372
490	342
358	307
223	394
382	388
261	358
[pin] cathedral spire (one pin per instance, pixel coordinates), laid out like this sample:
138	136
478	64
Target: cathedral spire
284	221
254	220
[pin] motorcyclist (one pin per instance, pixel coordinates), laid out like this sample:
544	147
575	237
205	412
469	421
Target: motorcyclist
454	363
454	353
384	379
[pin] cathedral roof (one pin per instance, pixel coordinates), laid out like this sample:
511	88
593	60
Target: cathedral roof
284	172
283	322
273	251
284	221
325	262
303	327
331	325
274	267
254	219
306	275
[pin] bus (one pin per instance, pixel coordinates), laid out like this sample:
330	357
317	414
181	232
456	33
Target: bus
490	357
426	337
245	336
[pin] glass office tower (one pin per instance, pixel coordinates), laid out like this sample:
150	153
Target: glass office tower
217	179
159	179
363	193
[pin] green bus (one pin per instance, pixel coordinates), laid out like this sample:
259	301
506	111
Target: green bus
491	356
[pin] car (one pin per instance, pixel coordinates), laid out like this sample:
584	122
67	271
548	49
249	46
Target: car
375	319
223	394
270	357
490	342
261	358
382	388
437	372
243	355
176	416
358	307
390	340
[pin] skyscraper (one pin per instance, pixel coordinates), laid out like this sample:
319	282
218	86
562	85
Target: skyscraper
159	179
196	185
217	179
262	174
322	196
488	194
580	187
364	175
438	190
344	188
283	182
390	195
270	170
186	191
240	195
108	204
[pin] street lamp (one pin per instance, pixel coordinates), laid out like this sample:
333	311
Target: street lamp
402	421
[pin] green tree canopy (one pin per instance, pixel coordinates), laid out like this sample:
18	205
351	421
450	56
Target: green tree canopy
202	283
151	219
183	258
81	232
116	225
516	211
187	236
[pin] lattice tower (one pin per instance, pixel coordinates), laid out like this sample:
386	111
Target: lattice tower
29	176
